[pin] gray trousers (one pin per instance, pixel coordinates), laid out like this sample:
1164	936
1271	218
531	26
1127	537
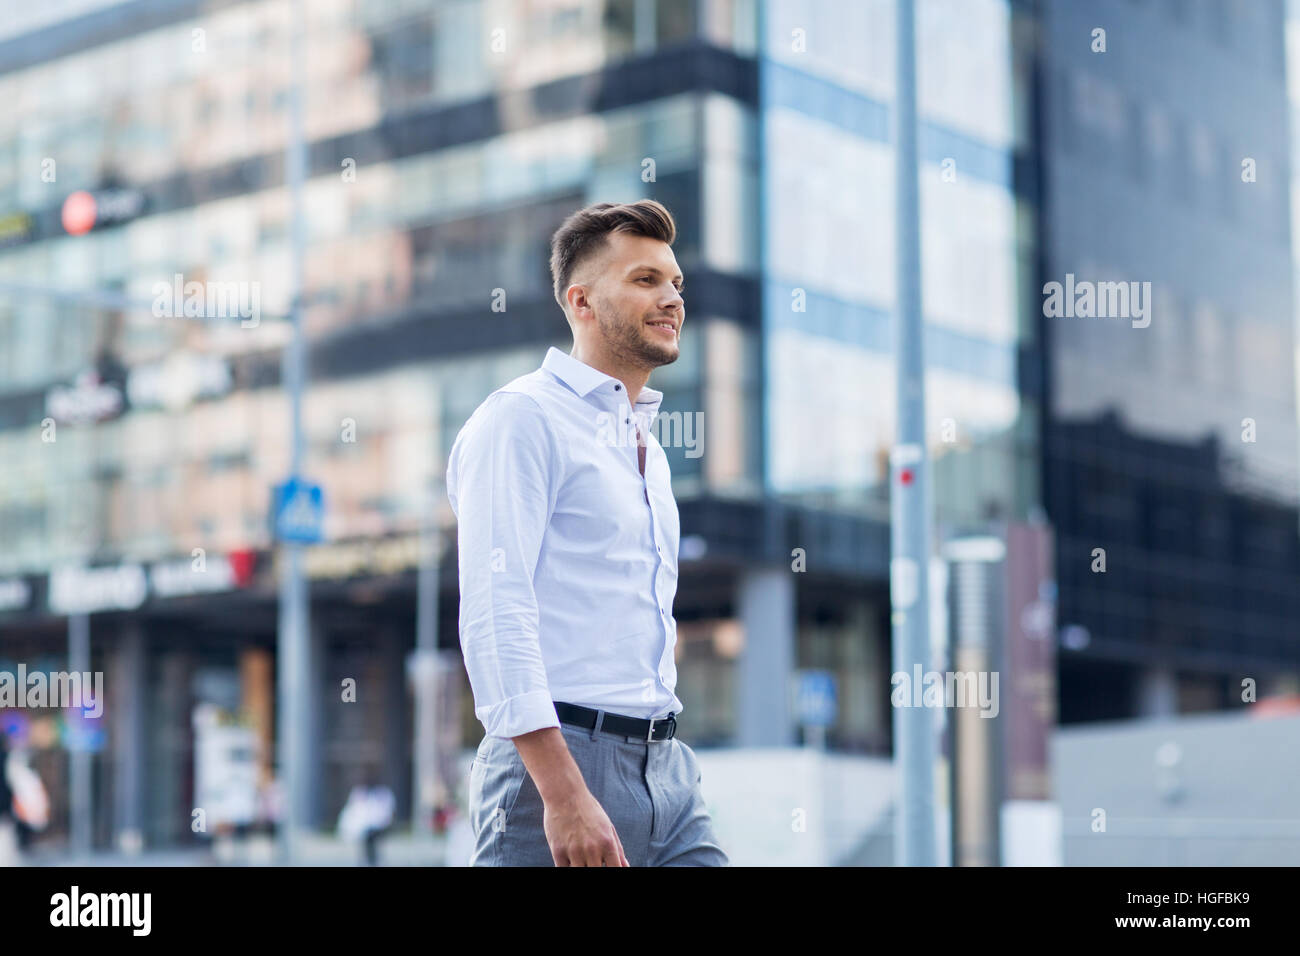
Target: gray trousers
651	792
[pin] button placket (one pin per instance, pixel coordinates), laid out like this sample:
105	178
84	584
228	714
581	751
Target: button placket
622	408
659	569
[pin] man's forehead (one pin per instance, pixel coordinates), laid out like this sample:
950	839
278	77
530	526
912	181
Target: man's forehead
628	251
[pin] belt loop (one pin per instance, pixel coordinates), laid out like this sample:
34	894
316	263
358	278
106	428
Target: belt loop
600	719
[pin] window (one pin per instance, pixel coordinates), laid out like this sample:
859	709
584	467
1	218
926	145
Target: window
619	28
1182	167
1066	113
674	21
1229	182
1135	140
1229	373
1209	344
731	24
1220	22
1158	133
404	61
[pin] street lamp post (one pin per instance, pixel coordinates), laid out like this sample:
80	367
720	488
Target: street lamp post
909	531
79	778
426	671
294	616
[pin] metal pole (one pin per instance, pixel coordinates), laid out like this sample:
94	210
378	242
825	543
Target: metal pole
914	743
294	616
425	674
79	776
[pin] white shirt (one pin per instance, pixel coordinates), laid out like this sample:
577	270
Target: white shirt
568	556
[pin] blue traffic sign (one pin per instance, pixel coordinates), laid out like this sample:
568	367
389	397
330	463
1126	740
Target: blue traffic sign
815	700
298	510
83	734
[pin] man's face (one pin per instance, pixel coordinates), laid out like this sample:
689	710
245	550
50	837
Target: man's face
636	295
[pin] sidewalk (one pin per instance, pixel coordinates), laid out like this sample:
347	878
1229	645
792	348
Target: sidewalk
316	849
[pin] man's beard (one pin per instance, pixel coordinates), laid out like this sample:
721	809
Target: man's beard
627	343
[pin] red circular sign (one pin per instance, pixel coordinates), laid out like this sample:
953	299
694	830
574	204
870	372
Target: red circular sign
79	213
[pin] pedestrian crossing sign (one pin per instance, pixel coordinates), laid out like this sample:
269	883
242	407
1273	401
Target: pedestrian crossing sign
298	507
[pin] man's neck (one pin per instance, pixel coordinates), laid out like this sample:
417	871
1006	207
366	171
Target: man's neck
633	379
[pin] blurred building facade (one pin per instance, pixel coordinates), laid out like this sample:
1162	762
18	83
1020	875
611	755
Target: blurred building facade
1171	447
446	143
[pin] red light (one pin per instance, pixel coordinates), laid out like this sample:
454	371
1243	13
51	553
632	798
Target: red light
905	476
241	563
79	213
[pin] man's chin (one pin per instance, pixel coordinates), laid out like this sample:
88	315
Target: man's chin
662	355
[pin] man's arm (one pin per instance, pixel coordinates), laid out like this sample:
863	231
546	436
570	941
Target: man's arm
502	483
577	828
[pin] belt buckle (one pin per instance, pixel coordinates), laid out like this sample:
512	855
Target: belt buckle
650	736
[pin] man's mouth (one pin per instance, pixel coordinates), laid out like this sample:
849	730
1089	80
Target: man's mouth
668	326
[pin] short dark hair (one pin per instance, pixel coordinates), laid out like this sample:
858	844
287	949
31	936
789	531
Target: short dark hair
583	234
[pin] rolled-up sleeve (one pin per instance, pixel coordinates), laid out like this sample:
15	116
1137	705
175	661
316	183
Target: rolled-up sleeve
501	480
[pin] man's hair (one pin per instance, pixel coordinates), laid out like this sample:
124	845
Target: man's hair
584	233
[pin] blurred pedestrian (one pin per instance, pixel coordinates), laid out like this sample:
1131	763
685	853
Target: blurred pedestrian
29	804
8	822
367	815
270	804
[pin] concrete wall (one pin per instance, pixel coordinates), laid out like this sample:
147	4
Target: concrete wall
1208	790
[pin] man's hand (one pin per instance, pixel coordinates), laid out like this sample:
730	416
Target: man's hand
578	830
580	834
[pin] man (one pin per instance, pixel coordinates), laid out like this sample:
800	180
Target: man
568	567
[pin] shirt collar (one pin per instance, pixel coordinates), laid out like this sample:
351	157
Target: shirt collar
584	380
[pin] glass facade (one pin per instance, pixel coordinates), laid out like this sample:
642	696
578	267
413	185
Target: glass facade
828	303
1172	440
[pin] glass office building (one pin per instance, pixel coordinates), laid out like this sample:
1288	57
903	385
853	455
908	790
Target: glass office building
1170	454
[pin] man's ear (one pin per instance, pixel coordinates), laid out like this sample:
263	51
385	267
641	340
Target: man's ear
580	299
576	298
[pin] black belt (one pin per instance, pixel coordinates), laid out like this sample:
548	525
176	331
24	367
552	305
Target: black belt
661	728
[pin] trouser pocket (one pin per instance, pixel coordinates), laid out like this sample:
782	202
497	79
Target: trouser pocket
495	781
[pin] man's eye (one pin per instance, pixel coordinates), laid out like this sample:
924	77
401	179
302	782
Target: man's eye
680	288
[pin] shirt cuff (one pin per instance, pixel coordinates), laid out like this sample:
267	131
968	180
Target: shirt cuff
519	715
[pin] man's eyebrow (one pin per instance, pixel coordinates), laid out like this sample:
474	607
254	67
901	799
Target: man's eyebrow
655	270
